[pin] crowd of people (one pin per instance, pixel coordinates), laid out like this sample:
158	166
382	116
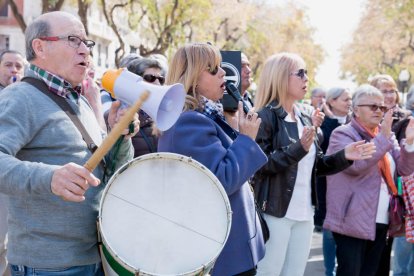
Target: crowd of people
331	166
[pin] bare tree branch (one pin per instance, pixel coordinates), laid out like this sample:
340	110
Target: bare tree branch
83	6
120	51
48	6
17	15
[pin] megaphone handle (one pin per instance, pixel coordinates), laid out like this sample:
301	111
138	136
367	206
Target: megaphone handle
115	133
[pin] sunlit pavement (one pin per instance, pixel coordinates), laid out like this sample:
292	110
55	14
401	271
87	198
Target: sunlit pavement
314	267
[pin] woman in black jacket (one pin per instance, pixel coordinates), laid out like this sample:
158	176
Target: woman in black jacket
285	186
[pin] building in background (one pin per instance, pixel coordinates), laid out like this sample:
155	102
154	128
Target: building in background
12	36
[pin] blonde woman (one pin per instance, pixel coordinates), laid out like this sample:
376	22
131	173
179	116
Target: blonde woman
233	156
285	186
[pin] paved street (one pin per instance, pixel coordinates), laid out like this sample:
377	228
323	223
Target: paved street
314	266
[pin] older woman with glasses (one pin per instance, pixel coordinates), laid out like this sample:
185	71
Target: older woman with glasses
285	186
231	153
358	197
388	87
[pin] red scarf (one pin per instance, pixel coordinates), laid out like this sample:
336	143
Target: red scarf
384	163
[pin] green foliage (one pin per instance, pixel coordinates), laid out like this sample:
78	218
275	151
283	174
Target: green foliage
383	41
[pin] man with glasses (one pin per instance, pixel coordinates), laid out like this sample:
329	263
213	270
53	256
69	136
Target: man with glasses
53	199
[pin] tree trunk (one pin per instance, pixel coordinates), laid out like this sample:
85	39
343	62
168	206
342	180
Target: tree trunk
47	6
17	15
83	7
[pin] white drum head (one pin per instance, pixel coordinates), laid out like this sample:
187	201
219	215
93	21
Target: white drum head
163	214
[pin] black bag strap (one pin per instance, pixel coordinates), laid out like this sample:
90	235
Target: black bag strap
147	140
64	105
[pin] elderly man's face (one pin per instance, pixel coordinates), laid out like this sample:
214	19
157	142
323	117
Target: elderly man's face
63	59
318	99
11	65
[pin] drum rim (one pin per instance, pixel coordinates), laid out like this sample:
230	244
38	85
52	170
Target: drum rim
178	157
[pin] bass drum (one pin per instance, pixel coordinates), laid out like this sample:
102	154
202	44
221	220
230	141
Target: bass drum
163	214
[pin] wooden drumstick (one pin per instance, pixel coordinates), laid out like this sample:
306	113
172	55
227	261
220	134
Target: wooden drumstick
115	133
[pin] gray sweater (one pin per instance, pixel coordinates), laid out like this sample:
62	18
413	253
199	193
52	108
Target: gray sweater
36	137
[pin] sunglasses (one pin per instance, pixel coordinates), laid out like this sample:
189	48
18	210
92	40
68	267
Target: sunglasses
151	78
375	107
213	71
301	73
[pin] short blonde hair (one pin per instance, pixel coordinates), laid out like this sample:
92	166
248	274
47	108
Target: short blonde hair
274	79
383	78
187	65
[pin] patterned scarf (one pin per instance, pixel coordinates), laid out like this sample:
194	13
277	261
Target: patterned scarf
384	163
56	84
211	108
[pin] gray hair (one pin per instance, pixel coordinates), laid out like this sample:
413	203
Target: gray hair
36	29
363	91
317	90
126	60
335	92
140	65
163	60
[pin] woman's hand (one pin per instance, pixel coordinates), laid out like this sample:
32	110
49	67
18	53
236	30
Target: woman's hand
115	114
386	124
232	118
327	110
409	132
317	118
248	124
360	150
308	136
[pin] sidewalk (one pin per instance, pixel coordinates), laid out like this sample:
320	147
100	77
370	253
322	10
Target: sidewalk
315	267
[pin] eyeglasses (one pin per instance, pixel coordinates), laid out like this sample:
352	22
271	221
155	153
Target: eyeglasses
213	71
389	92
301	73
375	107
151	78
73	40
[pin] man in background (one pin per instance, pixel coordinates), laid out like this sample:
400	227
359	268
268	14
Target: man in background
11	70
11	67
246	80
318	97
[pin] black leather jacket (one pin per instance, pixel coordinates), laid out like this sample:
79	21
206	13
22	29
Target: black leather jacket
277	177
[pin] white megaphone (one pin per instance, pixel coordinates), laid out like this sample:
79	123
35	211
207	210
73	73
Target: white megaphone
164	104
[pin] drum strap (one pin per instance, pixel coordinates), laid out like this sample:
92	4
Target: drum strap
64	105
